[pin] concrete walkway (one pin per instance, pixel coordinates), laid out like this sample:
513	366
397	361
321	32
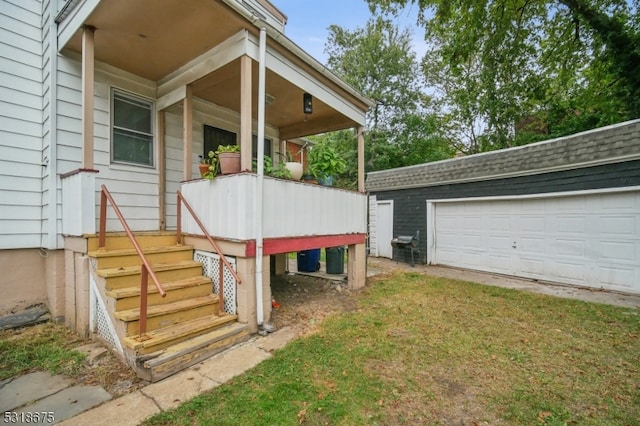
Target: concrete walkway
92	405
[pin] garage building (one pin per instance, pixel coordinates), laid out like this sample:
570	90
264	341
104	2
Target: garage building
565	210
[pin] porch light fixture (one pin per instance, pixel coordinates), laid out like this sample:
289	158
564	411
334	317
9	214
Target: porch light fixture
307	103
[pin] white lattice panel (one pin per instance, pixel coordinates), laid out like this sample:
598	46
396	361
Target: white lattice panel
211	268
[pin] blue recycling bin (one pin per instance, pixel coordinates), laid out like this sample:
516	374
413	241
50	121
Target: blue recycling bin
309	260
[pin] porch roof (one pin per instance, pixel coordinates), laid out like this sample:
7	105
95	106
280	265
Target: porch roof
154	39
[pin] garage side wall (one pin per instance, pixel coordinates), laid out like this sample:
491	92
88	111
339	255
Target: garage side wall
410	204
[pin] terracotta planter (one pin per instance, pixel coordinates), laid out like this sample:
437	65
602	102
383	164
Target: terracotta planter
229	162
204	169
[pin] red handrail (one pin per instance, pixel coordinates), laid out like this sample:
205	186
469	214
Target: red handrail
223	260
145	268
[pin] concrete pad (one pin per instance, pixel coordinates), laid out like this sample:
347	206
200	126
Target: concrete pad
131	409
94	351
19	391
179	388
233	362
70	402
277	339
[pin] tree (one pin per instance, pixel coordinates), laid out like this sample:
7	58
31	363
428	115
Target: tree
513	71
378	61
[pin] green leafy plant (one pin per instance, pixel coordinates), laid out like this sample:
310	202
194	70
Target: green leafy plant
324	161
210	160
228	148
279	171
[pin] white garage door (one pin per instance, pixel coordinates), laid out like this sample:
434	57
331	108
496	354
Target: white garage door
584	239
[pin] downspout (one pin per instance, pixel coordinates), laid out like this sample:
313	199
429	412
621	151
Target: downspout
52	160
260	183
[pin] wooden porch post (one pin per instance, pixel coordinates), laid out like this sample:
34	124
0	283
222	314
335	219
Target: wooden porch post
88	79
187	124
245	113
162	175
360	159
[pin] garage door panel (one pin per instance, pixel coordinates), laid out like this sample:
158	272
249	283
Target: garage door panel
617	225
528	245
564	247
585	239
570	224
616	277
618	250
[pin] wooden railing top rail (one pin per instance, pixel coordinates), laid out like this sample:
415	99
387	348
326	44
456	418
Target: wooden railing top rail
181	199
146	269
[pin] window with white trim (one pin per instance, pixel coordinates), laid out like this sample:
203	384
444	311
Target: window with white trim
131	129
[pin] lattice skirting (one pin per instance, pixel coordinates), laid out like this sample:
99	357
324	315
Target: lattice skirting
211	268
99	320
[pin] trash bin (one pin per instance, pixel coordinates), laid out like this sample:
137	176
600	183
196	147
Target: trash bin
335	260
309	260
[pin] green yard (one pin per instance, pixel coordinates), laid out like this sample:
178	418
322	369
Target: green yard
424	350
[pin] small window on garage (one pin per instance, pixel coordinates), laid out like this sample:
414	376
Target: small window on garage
131	129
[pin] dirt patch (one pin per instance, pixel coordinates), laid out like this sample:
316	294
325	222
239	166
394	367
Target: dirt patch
302	302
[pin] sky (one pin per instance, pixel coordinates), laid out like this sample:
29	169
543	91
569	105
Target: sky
308	21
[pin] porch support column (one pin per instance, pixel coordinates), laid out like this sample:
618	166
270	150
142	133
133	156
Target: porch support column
360	159
187	124
357	266
88	78
245	113
162	175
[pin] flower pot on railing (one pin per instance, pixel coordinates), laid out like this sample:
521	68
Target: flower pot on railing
229	162
295	169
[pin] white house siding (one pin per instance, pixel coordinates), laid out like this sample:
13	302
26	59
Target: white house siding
135	189
373	223
204	113
21	92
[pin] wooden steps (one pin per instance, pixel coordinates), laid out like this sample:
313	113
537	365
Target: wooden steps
183	327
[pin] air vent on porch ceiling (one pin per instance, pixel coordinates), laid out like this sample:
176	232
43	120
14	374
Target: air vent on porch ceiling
269	99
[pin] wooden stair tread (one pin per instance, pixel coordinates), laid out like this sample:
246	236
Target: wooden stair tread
121	293
176	331
157	267
167	308
195	343
101	253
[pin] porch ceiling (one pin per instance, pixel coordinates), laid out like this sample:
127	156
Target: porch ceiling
152	39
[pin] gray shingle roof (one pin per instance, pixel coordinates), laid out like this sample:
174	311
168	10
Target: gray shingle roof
615	143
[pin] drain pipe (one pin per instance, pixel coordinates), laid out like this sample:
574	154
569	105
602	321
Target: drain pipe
260	183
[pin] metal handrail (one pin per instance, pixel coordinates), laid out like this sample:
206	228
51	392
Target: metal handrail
145	268
223	260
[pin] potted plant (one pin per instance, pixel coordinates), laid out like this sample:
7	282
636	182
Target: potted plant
280	171
294	167
208	166
228	159
325	163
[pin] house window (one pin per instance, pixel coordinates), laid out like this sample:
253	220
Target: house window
131	129
214	137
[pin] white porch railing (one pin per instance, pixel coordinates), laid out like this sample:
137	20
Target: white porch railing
226	205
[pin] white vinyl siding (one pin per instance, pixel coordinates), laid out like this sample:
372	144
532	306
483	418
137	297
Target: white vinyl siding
21	91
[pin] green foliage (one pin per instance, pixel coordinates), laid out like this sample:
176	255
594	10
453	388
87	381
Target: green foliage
43	347
228	148
279	171
513	72
325	161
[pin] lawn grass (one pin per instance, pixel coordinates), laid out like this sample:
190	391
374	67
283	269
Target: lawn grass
425	350
45	347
